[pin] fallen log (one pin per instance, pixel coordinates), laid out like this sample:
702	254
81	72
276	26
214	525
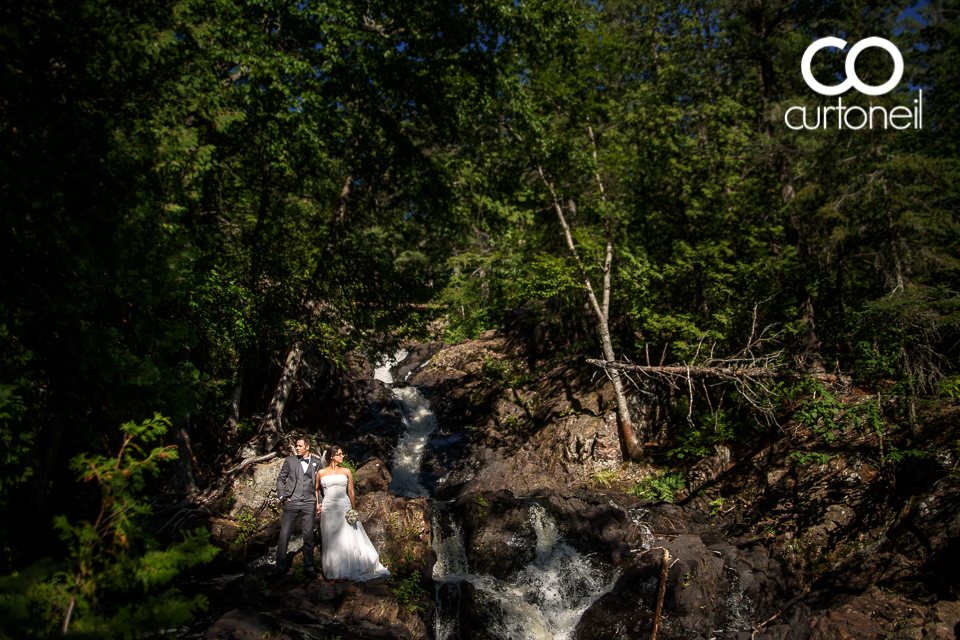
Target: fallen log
725	372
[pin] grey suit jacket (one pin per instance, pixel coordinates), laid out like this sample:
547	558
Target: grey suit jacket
292	480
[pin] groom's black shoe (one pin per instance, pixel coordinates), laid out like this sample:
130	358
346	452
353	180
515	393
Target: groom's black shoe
310	573
278	572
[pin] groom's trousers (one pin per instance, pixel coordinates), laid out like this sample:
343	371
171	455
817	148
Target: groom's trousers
308	513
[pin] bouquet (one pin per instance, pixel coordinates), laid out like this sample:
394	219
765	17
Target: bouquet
352	516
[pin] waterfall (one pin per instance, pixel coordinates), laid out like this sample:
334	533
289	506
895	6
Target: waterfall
739	608
449	572
545	599
382	373
419	421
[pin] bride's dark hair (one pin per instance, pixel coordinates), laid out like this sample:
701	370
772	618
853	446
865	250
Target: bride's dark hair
331	451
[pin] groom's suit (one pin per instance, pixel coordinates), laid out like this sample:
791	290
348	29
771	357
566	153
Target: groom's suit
296	488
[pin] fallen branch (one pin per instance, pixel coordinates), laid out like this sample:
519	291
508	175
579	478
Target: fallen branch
751	374
664	566
221	487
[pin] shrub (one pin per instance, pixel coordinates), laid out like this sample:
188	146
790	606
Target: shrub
662	486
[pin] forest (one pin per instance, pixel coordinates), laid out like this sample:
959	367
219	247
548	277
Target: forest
197	194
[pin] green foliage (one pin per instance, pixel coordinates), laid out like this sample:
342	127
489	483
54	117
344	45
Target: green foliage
299	574
482	507
803	457
543	277
950	387
246	526
350	464
662	486
408	592
894	336
112	584
716	506
15	445
895	455
697	440
605	477
494	370
820	411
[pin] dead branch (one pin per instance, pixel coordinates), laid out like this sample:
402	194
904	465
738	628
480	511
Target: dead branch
682	371
749	372
664	566
216	492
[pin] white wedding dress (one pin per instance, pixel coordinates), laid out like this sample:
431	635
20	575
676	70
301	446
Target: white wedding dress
347	550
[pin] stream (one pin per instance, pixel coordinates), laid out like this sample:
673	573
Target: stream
542	600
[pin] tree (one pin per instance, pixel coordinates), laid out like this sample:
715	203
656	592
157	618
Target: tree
109	585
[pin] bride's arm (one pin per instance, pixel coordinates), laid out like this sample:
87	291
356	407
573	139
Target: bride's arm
353	499
317	490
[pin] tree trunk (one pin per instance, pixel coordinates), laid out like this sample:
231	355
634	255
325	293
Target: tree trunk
263	212
765	22
630	445
233	414
272	420
186	485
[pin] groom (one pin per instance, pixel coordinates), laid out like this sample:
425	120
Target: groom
296	488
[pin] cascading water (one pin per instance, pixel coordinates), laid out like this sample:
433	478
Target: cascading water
420	422
382	373
543	602
739	607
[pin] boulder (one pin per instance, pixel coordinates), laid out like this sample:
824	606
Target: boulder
694	598
400	529
498	532
244	625
255	488
372	476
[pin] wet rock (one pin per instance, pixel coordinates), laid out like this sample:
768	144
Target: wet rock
841	625
477	615
692	604
944	621
930	535
592	521
757	589
245	591
497	531
418	356
222	531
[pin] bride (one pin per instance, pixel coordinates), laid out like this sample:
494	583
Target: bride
348	553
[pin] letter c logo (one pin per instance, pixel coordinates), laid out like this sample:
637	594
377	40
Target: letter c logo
852	79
